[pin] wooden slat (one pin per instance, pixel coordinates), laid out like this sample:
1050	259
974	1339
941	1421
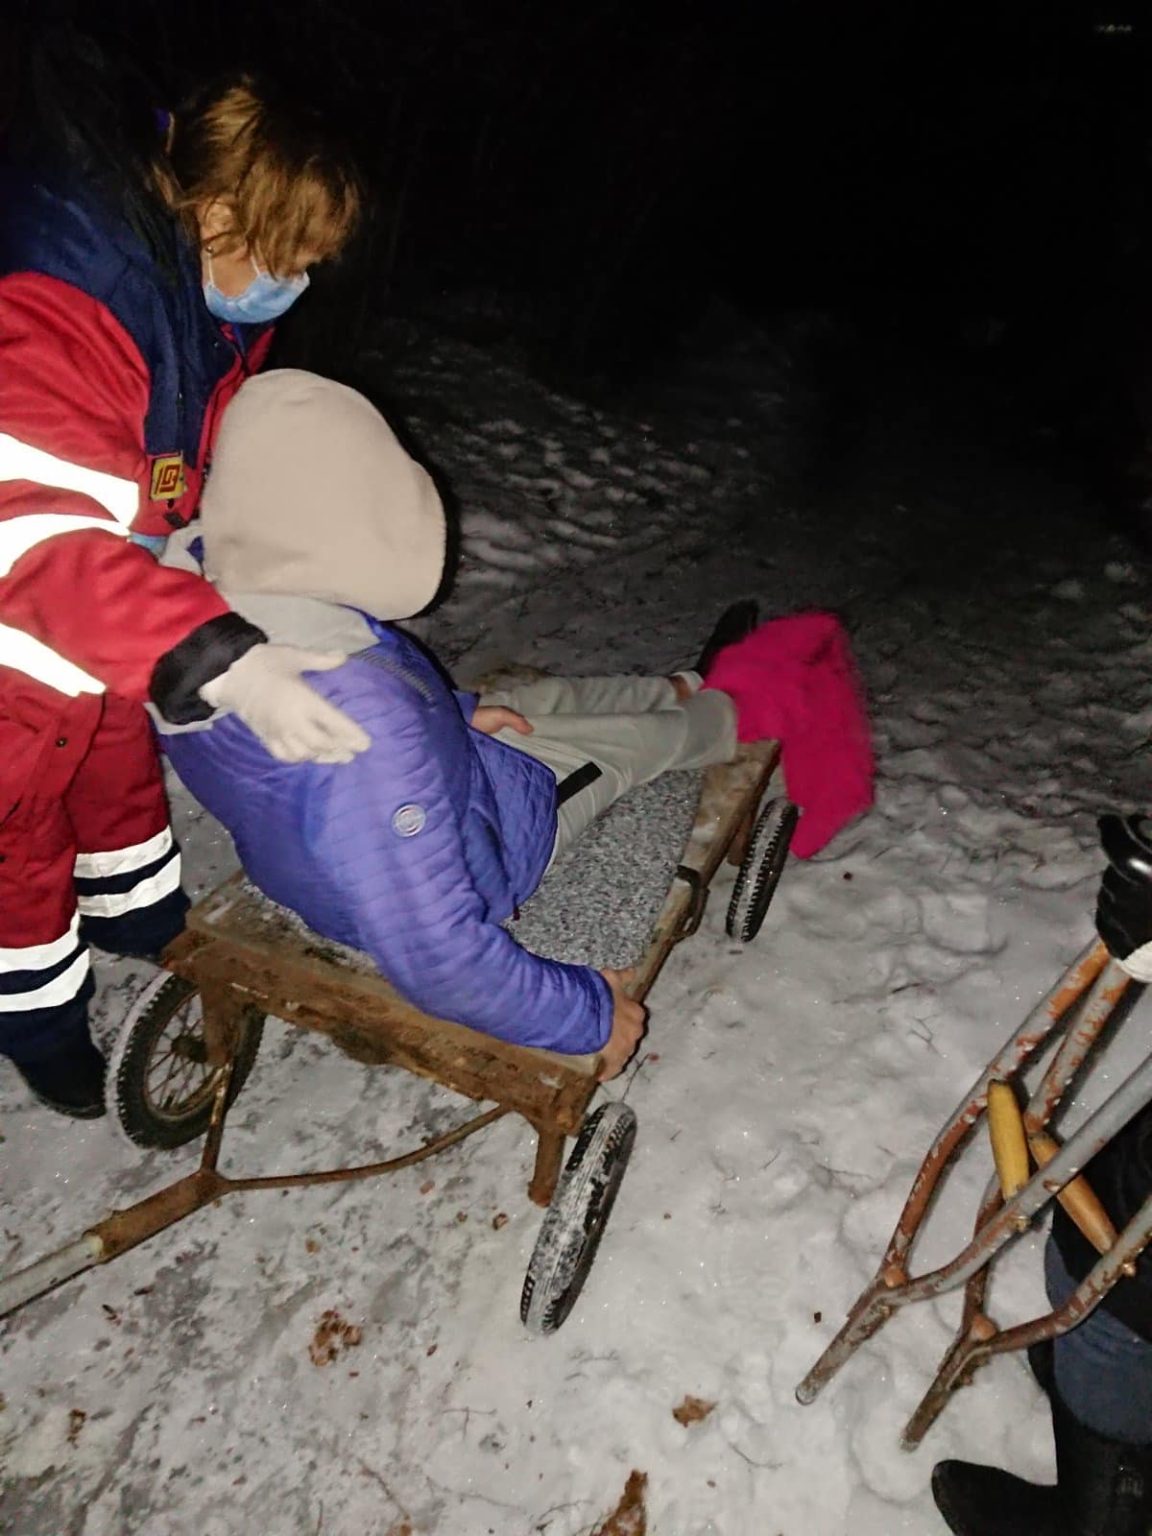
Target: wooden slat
729	793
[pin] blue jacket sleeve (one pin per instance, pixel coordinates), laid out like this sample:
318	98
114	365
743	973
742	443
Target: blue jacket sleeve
388	832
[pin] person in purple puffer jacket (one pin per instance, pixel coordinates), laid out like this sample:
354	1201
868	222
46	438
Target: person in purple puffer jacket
319	529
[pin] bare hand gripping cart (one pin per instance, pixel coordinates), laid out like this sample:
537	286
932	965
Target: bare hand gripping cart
1079	1006
240	958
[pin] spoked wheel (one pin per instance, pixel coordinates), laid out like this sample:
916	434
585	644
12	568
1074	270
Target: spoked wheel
761	870
575	1220
162	1079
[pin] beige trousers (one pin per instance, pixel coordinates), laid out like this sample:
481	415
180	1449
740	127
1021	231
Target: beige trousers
632	729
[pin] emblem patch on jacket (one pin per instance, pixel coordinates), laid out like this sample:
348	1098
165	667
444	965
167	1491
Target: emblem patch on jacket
168	482
409	820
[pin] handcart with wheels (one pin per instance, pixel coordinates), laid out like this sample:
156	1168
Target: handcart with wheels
193	1039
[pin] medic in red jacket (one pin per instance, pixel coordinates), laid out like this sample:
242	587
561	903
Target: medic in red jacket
117	355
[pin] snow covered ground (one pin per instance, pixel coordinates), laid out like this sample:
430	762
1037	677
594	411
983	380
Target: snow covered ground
786	1092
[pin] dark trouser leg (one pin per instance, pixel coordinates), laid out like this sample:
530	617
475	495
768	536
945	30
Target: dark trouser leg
52	1050
45	978
1102	1370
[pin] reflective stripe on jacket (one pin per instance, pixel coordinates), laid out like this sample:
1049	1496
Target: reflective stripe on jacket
112	378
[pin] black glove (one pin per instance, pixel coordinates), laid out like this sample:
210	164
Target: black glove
1124	902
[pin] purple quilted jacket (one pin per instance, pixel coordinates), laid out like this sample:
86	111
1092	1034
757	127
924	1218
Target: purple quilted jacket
415	852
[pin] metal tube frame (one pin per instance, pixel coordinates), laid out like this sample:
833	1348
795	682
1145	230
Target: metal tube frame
128	1228
1099	983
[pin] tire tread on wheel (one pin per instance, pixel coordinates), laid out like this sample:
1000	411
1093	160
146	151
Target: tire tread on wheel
161	1084
760	871
575	1220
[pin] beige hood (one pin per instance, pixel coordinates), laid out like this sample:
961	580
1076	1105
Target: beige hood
310	495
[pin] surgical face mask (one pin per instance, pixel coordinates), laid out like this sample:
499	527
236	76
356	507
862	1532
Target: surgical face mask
265	298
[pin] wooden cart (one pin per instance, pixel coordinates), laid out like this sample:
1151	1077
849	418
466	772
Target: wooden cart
242	958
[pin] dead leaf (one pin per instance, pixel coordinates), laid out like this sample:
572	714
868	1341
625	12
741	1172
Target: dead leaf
76	1421
692	1410
499	1220
629	1518
428	1186
311	1245
404	1528
333	1335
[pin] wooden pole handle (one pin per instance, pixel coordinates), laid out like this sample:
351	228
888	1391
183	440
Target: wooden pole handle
1077	1197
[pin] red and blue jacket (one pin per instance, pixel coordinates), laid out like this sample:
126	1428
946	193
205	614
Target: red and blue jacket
113	376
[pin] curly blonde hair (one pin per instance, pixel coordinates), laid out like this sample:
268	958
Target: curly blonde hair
293	193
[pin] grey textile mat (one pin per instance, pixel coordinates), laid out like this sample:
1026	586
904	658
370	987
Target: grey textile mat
599	900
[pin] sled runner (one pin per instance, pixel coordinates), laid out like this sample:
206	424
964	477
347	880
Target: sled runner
193	1039
1079	1007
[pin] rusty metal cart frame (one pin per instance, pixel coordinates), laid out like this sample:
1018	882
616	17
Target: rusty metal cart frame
1080	1006
248	959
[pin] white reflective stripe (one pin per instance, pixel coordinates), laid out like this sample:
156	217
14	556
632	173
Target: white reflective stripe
20	461
38	957
142	895
20	534
25	654
98	866
60	990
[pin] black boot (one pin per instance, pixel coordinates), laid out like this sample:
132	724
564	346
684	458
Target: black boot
52	1050
984	1501
1105	1484
1104	1488
71	1082
737	621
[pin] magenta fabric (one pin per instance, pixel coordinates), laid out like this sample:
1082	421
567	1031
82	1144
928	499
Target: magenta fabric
794	680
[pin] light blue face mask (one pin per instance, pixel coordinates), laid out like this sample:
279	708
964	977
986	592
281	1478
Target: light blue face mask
265	298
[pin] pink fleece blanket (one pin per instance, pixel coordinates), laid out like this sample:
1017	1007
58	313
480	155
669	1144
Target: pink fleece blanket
794	680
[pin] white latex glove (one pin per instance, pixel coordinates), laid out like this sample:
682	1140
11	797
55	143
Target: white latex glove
295	723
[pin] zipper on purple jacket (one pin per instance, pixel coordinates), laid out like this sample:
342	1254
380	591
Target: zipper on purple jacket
376	658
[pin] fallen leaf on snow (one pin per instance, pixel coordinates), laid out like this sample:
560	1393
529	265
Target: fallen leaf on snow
76	1419
692	1410
630	1517
333	1335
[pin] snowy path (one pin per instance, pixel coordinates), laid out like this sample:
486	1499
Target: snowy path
785	1097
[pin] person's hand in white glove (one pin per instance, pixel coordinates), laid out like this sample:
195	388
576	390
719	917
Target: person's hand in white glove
265	688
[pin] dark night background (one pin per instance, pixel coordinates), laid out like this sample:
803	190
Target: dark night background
958	189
